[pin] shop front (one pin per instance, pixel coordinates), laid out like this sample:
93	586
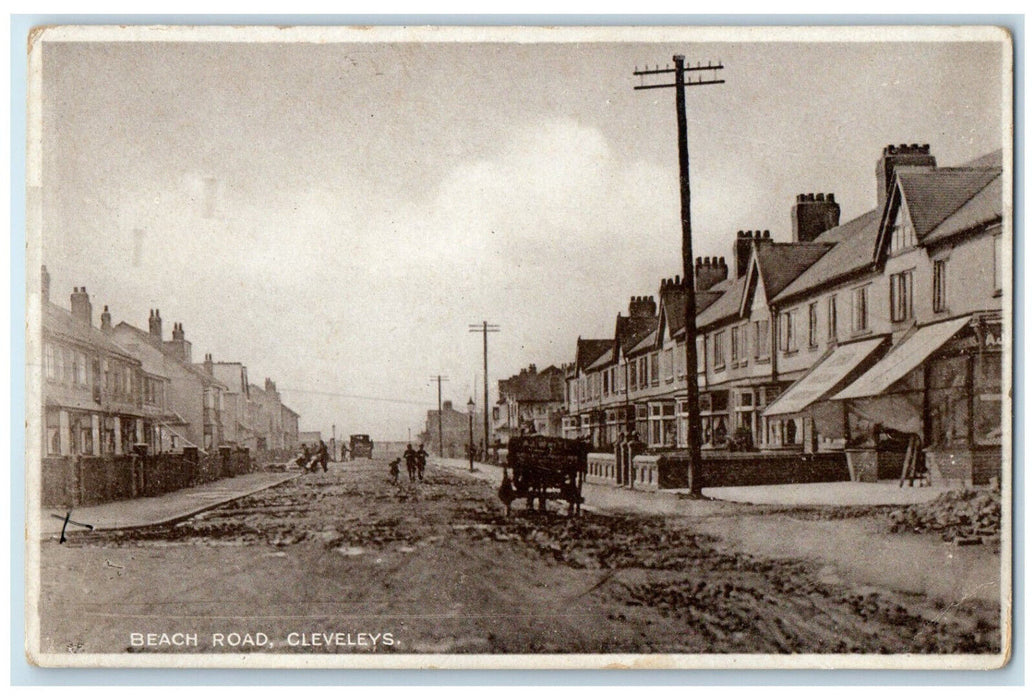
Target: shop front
943	385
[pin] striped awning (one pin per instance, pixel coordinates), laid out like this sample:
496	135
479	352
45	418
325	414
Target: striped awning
824	377
903	359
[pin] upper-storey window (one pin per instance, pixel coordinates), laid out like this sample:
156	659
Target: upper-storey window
901	296
719	349
860	316
997	264
938	292
654	369
762	339
903	235
813	325
832	318
788	339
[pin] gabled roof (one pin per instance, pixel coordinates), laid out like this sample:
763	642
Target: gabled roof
630	330
588	350
673	305
782	263
606	358
852	253
648	342
206	379
61	323
934	196
726	306
983	208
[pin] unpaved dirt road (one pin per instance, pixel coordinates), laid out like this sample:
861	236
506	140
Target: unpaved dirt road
342	562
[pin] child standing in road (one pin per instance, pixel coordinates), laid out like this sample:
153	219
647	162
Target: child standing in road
422	460
393	469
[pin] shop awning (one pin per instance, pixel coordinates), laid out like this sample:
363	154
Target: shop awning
903	359
824	377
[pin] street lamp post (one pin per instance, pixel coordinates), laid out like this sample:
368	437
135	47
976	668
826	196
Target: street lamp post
470	433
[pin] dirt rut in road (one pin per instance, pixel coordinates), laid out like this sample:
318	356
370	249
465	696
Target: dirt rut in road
442	561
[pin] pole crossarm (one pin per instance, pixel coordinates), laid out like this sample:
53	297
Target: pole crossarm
689	83
657	71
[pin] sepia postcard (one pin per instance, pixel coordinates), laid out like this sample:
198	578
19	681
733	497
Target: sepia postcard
519	347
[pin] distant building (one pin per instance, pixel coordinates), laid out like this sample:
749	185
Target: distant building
234	375
289	424
456	431
194	397
266	416
530	401
310	437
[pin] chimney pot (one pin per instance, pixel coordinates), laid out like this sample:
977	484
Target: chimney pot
765	234
698	262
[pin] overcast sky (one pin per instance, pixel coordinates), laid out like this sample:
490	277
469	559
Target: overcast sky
335	215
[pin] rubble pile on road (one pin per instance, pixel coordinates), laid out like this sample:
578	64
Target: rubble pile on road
963	517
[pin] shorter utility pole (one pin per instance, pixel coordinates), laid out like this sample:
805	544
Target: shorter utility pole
485	328
439	378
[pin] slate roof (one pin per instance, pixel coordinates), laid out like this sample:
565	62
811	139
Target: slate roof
934	196
726	306
60	322
673	301
648	342
547	385
782	263
205	377
852	253
983	208
588	350
630	330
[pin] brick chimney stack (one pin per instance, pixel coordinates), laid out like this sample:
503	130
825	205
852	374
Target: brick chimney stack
208	364
894	156
709	271
106	320
45	283
179	347
82	309
154	326
743	245
642	307
812	214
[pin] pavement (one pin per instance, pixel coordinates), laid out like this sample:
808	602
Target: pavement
158	510
838	493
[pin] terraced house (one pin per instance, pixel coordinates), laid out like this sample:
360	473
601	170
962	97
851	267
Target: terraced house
889	324
93	388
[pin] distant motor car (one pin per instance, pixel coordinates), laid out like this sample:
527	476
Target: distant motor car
361	446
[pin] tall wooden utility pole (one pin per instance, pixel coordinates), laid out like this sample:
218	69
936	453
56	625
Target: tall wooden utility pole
693	407
439	378
485	328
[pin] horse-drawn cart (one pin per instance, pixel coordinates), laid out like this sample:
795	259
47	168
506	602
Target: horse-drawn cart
542	468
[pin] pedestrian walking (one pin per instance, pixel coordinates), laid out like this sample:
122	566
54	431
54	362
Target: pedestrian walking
393	470
422	460
324	455
411	461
